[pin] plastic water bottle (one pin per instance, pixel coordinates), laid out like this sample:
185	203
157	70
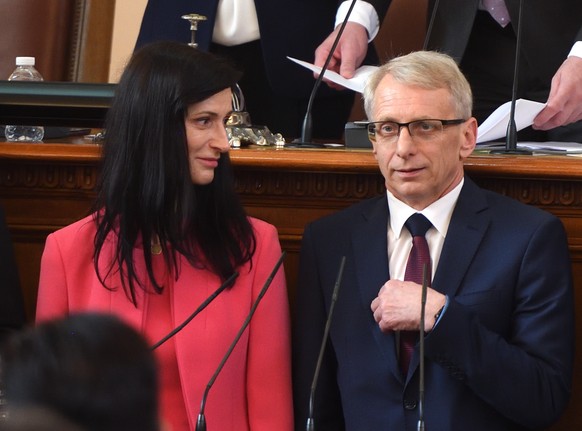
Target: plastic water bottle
25	71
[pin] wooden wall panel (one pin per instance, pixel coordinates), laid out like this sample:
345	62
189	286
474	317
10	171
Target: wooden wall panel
71	39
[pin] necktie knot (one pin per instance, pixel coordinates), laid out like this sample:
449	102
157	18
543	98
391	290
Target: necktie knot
417	224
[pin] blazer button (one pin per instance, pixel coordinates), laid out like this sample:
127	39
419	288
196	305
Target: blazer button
409	404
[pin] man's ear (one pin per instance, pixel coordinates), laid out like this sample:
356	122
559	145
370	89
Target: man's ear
469	138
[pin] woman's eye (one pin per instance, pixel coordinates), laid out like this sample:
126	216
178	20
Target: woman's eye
203	121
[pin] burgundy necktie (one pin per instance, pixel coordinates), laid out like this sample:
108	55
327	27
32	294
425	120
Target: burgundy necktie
417	225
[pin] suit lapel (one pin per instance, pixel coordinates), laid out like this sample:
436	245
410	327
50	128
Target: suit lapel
370	246
468	225
452	37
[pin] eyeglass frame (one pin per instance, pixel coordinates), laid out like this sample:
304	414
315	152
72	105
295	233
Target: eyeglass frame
371	126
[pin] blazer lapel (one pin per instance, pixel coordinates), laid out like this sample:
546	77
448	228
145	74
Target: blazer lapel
370	246
468	225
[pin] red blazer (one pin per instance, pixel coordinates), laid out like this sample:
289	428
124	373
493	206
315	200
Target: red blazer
253	390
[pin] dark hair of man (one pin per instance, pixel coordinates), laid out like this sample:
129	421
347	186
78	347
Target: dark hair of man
92	369
146	193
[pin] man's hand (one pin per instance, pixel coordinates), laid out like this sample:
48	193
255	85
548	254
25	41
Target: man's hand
349	53
565	100
397	306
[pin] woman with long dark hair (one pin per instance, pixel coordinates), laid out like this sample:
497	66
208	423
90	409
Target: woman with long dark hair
166	231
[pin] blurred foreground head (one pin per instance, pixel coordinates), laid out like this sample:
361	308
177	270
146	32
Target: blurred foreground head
91	369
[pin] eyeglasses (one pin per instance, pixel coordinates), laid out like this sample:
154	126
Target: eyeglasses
424	130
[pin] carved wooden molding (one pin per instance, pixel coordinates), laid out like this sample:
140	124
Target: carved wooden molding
91	40
61	178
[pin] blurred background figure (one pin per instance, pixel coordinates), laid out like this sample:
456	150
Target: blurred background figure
36	419
482	37
91	369
12	315
259	35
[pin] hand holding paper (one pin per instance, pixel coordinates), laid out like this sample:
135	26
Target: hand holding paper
356	83
495	126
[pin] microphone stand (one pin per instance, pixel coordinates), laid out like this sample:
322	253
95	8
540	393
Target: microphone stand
306	130
511	134
228	282
201	421
310	426
425	276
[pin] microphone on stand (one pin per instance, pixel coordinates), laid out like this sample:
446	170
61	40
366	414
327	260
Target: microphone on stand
228	282
425	276
310	426
201	421
511	134
306	130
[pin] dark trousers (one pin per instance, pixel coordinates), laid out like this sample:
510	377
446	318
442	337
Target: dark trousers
279	113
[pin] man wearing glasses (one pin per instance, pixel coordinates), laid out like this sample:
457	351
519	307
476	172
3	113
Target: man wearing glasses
498	350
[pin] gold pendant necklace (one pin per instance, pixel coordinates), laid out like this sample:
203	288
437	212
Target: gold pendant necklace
155	246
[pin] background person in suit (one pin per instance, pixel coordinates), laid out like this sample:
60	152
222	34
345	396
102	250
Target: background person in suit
551	57
12	315
500	356
168	229
89	369
276	90
36	419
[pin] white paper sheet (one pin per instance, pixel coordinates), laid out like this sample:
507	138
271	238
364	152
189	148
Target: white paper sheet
548	147
356	83
495	126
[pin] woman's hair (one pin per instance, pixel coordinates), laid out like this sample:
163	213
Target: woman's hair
426	69
92	369
146	192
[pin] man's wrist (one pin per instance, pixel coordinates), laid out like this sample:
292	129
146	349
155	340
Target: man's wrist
363	13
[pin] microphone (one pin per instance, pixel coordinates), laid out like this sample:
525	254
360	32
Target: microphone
228	282
420	426
306	130
201	422
511	134
310	426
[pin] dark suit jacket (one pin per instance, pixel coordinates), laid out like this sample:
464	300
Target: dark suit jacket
501	356
549	30
12	315
288	28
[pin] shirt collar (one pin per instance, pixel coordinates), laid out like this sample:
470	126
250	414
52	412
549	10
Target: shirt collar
439	213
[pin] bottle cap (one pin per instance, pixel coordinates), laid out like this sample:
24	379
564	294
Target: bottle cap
25	61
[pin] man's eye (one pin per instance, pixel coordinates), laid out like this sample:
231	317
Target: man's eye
387	129
426	126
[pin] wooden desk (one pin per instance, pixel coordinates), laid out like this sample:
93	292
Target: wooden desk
46	186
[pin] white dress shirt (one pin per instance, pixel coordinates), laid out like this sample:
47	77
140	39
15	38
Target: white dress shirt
236	22
439	213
